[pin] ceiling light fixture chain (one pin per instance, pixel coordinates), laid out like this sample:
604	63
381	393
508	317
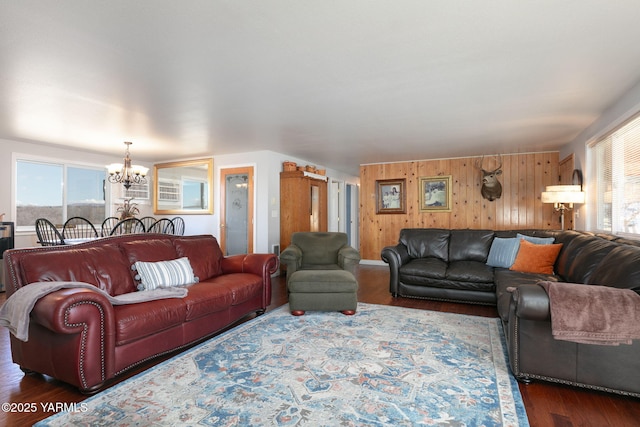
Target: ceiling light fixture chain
126	173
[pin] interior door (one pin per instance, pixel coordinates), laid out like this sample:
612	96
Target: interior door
236	215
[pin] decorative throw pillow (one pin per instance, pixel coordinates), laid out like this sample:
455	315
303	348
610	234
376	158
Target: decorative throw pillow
533	258
503	252
164	274
536	240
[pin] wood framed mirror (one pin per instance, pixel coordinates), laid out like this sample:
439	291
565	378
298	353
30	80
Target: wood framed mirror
184	187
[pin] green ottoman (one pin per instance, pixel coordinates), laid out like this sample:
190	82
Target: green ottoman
322	290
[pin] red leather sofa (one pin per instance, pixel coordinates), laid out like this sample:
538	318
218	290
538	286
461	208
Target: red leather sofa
77	336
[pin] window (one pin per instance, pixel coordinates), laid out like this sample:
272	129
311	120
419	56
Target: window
615	164
58	191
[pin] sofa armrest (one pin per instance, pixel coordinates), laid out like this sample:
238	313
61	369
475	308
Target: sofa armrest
61	311
80	338
531	303
395	256
292	258
348	258
263	265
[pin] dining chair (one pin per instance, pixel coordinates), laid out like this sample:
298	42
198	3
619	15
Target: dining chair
107	225
163	225
79	228
148	221
48	234
178	226
128	226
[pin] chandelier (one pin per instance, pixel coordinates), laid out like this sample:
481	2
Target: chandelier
126	173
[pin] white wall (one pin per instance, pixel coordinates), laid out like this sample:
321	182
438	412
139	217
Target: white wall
616	114
267	167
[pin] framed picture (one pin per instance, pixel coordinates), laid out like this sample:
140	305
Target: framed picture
391	196
435	193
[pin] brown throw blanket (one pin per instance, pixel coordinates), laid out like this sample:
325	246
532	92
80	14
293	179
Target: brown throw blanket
591	314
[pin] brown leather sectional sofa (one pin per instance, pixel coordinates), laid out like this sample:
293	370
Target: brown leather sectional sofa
77	336
450	265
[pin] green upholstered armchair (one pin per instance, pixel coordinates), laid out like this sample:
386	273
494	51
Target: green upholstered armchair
319	251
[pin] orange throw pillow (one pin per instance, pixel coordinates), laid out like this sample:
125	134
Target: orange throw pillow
534	258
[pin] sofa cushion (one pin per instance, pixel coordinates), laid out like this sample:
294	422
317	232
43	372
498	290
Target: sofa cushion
148	250
470	245
164	274
503	252
103	266
205	298
242	286
204	255
424	243
417	270
567	257
535	258
619	269
136	321
469	271
587	258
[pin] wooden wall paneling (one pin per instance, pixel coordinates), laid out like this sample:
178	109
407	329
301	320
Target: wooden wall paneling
565	177
504	215
519	182
474	219
459	193
523	179
551	178
498	206
565	170
512	208
539	184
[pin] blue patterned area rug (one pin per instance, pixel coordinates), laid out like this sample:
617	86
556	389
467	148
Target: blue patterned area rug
384	366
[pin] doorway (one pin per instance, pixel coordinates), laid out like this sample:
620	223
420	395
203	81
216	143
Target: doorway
236	215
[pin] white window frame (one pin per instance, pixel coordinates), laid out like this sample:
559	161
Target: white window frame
617	176
16	157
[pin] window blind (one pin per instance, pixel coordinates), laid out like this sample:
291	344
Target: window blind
616	165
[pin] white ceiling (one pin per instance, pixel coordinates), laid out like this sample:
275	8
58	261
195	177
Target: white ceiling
338	83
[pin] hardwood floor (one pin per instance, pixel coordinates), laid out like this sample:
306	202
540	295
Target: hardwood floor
546	404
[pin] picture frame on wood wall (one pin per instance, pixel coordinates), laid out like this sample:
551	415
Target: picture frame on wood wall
435	193
391	196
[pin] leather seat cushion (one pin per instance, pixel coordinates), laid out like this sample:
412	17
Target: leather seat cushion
205	298
470	271
426	243
204	255
619	269
416	270
470	245
136	321
242	286
587	258
149	250
105	267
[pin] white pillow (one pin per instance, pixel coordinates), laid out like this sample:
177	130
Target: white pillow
164	274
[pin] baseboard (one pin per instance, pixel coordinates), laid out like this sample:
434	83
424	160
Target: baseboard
372	262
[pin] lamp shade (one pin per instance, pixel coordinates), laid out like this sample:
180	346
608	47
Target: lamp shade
562	194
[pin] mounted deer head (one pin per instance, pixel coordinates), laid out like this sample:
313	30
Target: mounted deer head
491	187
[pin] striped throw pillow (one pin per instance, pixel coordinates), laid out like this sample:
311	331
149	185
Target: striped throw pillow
164	274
